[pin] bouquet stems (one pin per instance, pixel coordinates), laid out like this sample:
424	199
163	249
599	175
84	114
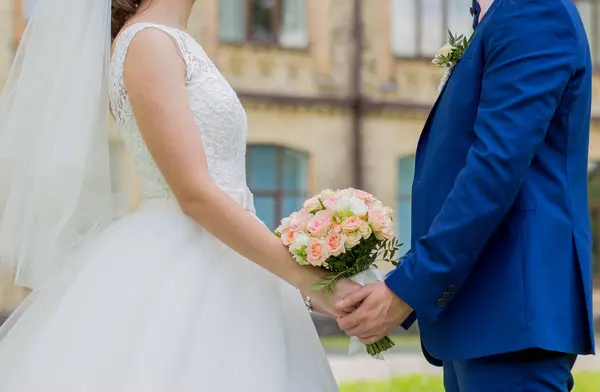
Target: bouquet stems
377	348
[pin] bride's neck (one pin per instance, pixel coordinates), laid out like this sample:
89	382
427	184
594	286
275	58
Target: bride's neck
175	13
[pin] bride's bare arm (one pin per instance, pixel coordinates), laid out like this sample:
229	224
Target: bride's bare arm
155	79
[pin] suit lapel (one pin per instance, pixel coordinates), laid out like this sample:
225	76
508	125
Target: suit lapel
477	25
427	126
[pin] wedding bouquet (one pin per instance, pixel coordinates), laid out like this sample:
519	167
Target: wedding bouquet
344	232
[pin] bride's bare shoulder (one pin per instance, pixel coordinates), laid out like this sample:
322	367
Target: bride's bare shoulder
151	51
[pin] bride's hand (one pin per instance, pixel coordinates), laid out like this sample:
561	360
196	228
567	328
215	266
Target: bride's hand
324	302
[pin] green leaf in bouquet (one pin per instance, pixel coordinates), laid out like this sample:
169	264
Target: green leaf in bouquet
321	203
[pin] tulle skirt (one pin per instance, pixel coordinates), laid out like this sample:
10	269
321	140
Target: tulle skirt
156	304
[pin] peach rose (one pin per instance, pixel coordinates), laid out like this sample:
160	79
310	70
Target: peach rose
365	230
320	224
335	243
287	237
317	252
337	228
352	239
351	224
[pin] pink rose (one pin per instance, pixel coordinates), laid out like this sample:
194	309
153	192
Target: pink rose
351	224
329	202
299	220
379	219
320	224
352	239
374	204
364	196
337	228
386	233
285	225
287	237
335	243
317	252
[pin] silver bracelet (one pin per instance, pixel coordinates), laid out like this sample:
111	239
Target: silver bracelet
308	303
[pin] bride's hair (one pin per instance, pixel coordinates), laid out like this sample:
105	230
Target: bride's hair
122	10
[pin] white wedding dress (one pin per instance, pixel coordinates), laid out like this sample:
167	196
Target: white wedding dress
154	303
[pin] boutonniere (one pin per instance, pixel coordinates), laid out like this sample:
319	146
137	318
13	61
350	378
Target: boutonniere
450	54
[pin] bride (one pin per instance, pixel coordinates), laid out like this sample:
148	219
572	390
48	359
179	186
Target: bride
190	292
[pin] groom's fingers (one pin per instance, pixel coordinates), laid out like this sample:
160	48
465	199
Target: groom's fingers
371	339
354	299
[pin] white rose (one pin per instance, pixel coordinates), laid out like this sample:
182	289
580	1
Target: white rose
350	206
352	239
445	50
313	204
299	243
327	194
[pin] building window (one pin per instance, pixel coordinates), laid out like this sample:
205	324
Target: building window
420	27
281	22
590	14
278	178
406	170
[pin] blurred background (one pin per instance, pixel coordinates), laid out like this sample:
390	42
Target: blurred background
353	74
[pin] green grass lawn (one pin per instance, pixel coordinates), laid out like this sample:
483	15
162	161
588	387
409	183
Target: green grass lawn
584	382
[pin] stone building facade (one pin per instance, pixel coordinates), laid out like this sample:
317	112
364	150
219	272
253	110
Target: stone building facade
336	91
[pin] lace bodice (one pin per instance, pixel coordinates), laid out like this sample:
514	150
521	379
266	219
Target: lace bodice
218	113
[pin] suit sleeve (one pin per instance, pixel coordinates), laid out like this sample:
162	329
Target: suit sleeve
530	58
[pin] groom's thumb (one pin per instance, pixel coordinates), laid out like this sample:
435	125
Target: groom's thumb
353	299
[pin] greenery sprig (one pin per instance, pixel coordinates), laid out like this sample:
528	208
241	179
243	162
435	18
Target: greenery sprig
359	259
451	53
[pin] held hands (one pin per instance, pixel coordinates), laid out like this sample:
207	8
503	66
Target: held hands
324	302
377	311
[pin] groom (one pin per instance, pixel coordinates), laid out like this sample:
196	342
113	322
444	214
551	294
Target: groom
499	275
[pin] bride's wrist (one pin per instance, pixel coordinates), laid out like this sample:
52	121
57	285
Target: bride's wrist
308	277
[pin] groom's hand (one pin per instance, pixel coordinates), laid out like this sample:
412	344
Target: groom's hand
324	302
378	311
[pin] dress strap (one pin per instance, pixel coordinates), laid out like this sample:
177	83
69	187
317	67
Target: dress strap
180	37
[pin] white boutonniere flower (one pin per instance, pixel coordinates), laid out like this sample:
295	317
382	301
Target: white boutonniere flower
450	54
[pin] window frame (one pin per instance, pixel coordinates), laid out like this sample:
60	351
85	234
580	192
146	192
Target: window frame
277	38
276	20
279	192
419	54
419	25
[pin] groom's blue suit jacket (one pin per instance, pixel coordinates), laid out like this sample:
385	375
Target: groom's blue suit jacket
501	251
